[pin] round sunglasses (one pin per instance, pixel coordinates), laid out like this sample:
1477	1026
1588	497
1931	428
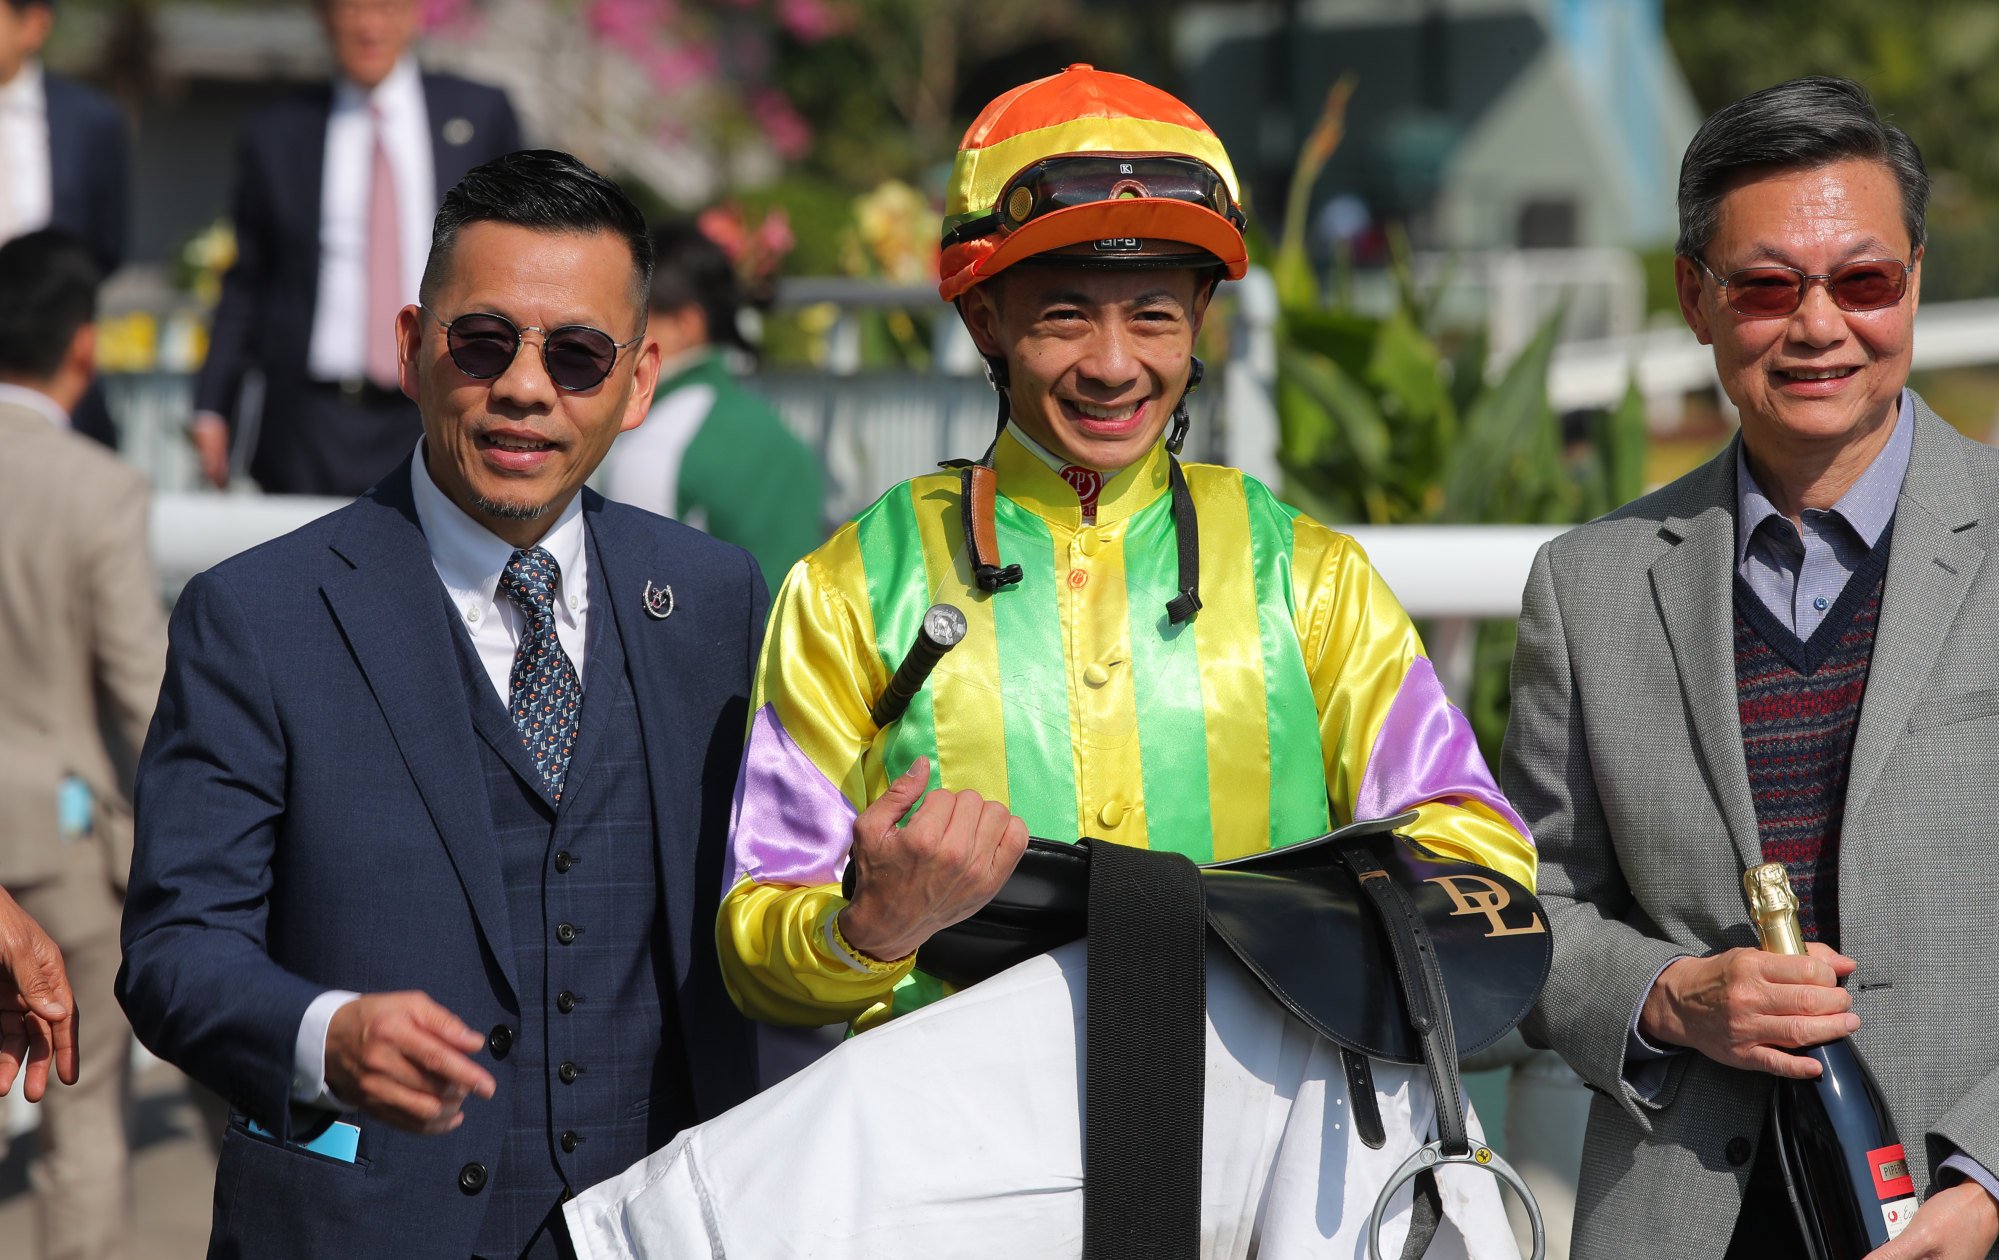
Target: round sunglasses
1769	292
576	356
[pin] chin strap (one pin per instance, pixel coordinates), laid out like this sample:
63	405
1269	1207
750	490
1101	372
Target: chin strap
978	487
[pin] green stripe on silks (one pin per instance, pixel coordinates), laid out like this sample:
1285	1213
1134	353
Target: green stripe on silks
1034	679
1166	673
1298	805
891	548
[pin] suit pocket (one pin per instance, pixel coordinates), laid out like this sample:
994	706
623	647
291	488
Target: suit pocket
1965	706
258	1140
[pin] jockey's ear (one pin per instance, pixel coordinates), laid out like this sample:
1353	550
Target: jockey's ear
978	306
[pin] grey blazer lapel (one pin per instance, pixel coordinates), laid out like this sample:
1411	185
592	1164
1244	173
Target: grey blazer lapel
1931	563
1694	585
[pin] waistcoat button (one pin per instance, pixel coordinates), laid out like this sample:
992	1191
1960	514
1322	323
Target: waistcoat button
570	1141
472	1178
565	932
566	1001
569	1072
1737	1151
500	1041
563	862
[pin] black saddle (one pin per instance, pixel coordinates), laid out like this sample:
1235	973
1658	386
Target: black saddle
1296	918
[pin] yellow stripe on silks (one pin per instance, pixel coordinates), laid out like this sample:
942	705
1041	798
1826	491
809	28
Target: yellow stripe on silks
1358	645
1230	644
1474	832
970	723
811	669
979	175
1103	715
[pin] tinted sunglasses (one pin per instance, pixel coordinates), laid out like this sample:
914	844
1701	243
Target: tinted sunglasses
576	356
1769	292
1062	183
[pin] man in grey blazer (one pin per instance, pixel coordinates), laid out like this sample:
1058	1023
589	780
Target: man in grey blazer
1790	654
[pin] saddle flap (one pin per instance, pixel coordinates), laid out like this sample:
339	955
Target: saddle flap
1305	930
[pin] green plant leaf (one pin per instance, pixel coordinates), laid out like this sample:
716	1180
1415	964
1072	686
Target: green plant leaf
1508	462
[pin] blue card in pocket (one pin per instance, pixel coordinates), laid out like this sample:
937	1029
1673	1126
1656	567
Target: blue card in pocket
339	1140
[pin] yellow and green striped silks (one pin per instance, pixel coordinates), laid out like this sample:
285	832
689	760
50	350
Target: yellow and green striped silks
1297	697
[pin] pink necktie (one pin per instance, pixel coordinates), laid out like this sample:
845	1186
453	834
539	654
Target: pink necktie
384	297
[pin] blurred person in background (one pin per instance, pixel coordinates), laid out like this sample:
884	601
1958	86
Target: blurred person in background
84	642
63	163
335	189
711	452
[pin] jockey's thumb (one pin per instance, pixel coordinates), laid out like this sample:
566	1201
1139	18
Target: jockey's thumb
902	793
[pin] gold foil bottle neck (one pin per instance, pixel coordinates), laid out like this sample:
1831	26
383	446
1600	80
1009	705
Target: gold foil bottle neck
1773	908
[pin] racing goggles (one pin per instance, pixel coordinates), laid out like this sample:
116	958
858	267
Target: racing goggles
576	356
1082	179
1772	292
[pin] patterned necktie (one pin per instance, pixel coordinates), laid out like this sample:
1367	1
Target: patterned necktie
546	696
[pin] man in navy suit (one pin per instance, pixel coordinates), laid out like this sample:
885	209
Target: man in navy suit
63	163
334	192
431	817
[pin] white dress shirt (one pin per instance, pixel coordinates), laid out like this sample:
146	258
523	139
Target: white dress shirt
36	401
24	148
469	559
338	350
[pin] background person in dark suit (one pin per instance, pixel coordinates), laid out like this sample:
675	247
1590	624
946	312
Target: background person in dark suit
433	809
63	163
335	188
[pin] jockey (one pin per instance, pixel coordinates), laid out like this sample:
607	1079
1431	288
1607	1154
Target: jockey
1159	654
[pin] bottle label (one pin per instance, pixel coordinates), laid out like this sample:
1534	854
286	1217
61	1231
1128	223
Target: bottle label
1891	1173
1898	1215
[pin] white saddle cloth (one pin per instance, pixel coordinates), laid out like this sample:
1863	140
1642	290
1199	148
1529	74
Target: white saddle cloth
955	1131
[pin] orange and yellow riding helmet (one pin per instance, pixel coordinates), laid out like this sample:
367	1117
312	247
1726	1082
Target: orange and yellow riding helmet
1098	167
1087	168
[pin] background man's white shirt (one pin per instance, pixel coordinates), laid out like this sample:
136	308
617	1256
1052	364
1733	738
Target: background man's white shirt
338	350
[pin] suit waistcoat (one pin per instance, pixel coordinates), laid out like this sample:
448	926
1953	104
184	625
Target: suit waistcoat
1799	702
595	1083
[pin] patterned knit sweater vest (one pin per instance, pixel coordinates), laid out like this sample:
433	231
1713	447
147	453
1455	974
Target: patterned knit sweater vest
1800	705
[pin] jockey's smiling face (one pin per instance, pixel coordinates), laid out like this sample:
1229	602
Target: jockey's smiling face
1097	358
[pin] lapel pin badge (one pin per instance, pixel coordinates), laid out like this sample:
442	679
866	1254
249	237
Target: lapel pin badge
458	131
658	601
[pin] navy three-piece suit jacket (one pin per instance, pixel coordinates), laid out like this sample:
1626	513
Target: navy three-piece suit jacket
312	816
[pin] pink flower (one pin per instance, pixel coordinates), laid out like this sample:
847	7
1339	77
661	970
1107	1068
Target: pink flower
436	15
629	22
787	132
681	66
774	237
724	225
812	20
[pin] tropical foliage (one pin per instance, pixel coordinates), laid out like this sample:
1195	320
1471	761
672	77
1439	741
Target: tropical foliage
1390	419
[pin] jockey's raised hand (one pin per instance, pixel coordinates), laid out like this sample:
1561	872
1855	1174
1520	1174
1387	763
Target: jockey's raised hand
918	878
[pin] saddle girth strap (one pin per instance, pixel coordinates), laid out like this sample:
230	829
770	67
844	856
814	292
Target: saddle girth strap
1144	1055
1422	982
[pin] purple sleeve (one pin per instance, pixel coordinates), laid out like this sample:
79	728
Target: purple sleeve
1426	752
789	823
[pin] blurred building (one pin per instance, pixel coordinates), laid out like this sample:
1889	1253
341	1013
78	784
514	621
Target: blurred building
1482	124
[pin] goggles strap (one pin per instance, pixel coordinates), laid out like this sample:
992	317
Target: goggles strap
1176	437
1187	542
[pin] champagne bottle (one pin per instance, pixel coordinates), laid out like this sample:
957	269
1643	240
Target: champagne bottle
1835	1139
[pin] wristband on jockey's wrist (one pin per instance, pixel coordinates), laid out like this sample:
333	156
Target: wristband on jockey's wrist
860	960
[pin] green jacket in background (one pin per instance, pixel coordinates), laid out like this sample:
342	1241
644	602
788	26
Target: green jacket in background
730	467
